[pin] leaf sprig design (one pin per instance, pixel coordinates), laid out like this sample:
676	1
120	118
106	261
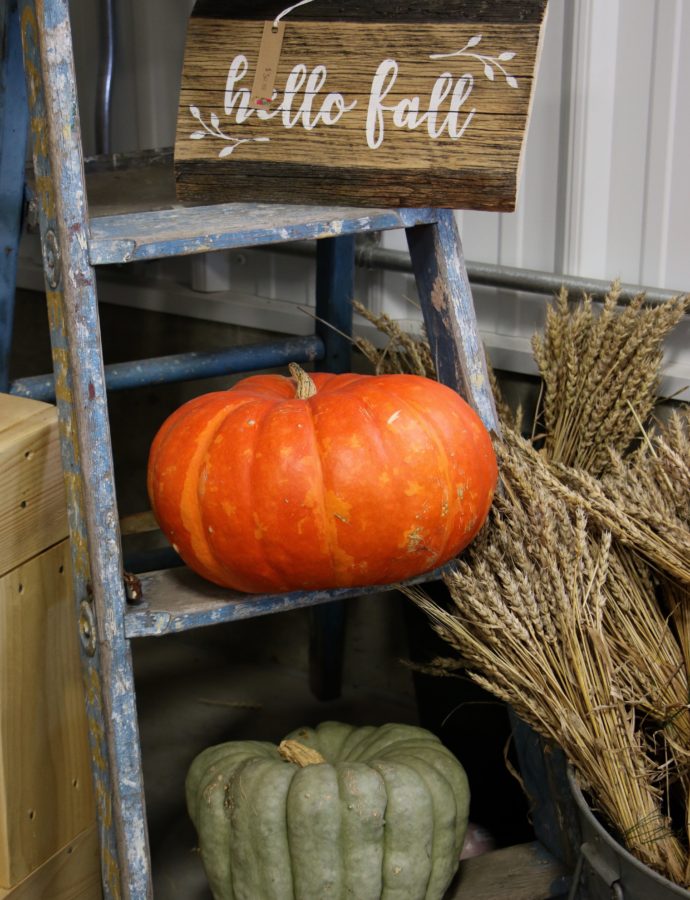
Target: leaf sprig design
491	64
214	130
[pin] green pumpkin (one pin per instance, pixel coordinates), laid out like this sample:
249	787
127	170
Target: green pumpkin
337	811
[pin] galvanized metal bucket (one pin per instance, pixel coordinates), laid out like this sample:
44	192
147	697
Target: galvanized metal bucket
606	871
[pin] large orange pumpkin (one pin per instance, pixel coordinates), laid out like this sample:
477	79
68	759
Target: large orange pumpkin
317	482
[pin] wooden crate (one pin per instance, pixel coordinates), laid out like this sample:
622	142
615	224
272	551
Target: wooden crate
47	810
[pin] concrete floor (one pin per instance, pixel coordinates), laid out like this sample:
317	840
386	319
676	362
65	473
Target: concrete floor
249	680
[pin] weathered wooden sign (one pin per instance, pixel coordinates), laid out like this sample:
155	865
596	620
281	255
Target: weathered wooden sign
361	102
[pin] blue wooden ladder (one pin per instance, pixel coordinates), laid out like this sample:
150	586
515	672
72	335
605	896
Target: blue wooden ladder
76	238
13	132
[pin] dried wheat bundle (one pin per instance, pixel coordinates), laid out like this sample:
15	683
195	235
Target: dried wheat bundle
600	374
643	498
667	458
554	609
627	501
652	666
527	617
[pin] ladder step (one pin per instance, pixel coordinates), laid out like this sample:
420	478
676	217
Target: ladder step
180	231
134	214
175	600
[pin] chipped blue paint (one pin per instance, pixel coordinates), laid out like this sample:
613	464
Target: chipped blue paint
87	462
187	366
199	229
177	600
14	118
451	324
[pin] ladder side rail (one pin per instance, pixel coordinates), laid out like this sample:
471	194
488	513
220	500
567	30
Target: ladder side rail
335	291
13	132
444	288
87	458
450	319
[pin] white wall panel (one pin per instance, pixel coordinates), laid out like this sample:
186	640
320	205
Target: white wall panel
670	132
589	91
625	199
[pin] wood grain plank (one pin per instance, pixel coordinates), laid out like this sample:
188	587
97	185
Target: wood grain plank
46	796
487	190
73	873
522	872
375	111
32	496
384	10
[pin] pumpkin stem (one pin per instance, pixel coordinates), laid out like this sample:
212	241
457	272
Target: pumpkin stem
301	756
305	386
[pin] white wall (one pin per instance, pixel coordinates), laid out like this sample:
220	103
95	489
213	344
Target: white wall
605	188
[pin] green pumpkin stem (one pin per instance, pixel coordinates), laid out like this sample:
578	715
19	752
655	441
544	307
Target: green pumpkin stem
305	386
301	756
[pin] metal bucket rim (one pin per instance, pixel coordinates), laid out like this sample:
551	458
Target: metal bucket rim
585	810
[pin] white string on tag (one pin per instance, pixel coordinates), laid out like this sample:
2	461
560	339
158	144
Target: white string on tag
285	12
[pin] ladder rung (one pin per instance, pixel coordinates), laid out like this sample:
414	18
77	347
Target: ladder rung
176	600
187	366
180	231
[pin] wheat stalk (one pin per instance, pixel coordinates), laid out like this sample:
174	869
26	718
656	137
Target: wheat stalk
594	369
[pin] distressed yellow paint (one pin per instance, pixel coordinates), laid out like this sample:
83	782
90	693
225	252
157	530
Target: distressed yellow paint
29	23
111	873
39	142
44	187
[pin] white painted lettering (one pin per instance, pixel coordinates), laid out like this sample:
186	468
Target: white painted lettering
382	83
304	102
240	98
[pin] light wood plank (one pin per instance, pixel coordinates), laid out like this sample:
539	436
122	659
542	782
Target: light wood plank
32	498
522	872
46	796
73	873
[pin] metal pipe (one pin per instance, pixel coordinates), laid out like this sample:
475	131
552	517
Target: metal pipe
509	277
106	63
187	366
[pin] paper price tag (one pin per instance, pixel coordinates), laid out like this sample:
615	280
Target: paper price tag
267	65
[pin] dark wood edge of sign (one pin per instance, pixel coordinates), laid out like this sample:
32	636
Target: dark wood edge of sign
396	11
480	189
